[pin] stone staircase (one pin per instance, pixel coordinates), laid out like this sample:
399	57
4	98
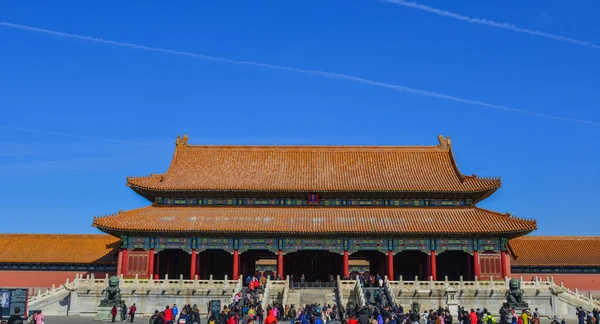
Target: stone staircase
305	296
384	300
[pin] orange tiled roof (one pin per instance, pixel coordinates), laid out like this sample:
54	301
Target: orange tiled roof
315	220
556	251
64	249
314	169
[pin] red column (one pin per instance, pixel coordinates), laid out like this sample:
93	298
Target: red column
476	265
157	267
433	266
193	265
390	265
124	262
505	260
280	264
150	262
346	271
236	265
120	263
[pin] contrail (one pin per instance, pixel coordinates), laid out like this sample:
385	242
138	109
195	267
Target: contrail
331	75
75	136
491	23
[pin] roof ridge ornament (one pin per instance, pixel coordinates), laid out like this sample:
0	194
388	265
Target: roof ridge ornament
182	141
445	143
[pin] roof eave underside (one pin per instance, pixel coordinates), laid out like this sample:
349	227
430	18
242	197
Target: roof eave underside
152	193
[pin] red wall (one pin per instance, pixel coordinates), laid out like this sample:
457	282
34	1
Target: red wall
40	279
583	282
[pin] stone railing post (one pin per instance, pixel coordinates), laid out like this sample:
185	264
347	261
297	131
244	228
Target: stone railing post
460	283
476	283
286	289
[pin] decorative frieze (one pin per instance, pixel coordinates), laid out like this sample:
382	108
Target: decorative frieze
465	245
488	245
376	244
270	244
292	244
314	202
215	243
423	245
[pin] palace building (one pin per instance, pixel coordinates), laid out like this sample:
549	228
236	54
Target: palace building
317	211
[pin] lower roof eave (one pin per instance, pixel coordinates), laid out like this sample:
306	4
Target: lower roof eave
178	233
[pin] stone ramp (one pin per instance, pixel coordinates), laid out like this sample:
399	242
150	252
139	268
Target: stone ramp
305	296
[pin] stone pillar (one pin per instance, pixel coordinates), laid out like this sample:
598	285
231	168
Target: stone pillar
346	270
236	265
433	266
120	262
476	265
390	261
280	264
193	265
124	262
151	263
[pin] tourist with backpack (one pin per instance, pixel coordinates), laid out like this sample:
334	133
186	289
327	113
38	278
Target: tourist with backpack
488	319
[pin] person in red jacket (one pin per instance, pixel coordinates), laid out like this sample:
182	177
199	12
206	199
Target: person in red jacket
473	316
132	310
271	319
113	312
168	315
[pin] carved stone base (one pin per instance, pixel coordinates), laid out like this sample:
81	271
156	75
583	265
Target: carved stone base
516	306
105	314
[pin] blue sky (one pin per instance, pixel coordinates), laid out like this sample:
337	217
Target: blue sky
143	99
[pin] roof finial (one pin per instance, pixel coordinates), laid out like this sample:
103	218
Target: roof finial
182	140
445	143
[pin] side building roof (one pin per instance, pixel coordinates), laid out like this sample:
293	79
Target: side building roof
58	249
315	221
536	251
315	169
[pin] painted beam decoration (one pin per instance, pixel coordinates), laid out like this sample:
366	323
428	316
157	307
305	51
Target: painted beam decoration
214	244
312	200
380	245
292	245
465	245
176	243
139	243
489	245
269	244
423	245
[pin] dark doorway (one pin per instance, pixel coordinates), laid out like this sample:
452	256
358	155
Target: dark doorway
453	264
250	266
173	263
314	264
411	264
217	263
376	259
